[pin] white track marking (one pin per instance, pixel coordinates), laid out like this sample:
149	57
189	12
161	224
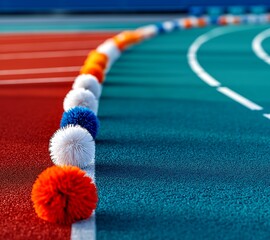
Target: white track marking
207	78
238	98
86	229
40	70
48	46
56	31
49	54
267	115
36	80
54	35
194	64
257	46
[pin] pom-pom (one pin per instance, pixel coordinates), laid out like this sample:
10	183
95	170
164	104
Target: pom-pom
88	82
148	31
169	26
72	145
81	97
96	57
64	195
95	70
127	38
110	49
81	116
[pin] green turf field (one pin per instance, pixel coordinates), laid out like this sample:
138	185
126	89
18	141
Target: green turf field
176	159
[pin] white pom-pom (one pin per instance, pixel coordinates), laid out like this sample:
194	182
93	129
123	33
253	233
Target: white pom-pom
148	31
168	26
89	82
110	49
72	145
81	97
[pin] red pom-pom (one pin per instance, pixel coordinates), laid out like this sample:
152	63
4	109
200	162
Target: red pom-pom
64	195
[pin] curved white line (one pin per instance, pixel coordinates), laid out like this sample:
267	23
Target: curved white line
257	46
207	78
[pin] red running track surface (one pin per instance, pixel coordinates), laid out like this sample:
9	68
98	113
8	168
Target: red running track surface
30	114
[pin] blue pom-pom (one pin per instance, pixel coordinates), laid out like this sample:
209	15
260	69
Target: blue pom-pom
160	28
214	20
81	116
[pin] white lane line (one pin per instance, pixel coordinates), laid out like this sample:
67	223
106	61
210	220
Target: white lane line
36	80
49	46
194	64
257	46
267	115
238	98
6	32
86	229
207	78
40	70
49	54
54	35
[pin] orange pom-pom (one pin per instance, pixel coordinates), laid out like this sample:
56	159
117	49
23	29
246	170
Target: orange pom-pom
98	58
201	22
236	20
95	70
64	195
124	39
188	23
223	21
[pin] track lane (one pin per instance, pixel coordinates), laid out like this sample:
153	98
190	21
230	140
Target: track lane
47	37
26	126
53	46
235	66
187	162
42	62
258	48
30	115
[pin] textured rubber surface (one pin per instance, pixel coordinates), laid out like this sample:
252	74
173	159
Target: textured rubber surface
30	114
175	158
26	127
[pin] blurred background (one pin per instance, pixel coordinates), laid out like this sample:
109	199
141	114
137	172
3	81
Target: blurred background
118	6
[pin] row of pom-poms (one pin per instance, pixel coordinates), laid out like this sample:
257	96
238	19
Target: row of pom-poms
64	193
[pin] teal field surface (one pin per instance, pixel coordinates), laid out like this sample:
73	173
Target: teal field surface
177	159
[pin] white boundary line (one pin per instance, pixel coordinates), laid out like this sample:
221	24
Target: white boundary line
40	70
257	46
260	52
44	46
238	98
36	80
56	31
45	54
194	64
86	229
267	115
207	78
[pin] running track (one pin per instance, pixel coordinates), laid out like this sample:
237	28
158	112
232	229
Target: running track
30	114
194	167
